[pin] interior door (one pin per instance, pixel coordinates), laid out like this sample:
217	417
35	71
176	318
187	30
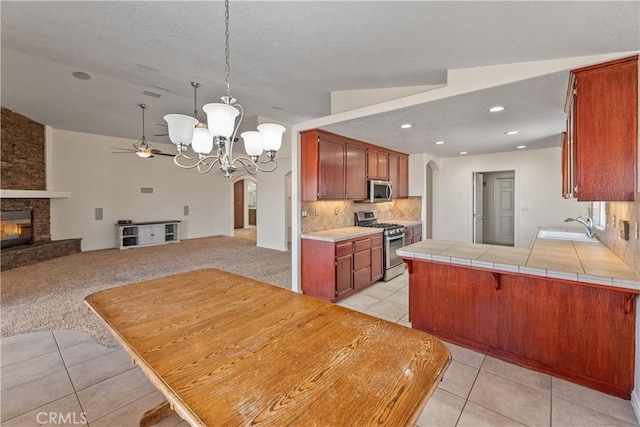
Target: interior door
238	204
504	209
478	217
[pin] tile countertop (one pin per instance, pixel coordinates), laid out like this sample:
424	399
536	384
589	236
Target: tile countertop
344	233
586	262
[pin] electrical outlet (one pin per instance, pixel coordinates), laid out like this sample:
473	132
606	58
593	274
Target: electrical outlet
335	211
316	212
304	213
636	231
614	221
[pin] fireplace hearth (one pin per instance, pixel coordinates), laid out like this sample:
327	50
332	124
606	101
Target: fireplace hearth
16	228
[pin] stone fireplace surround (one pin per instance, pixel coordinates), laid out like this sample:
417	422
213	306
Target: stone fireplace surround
23	169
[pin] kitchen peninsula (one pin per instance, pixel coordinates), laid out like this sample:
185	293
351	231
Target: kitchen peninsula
562	307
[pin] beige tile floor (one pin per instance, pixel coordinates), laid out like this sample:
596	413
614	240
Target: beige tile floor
66	378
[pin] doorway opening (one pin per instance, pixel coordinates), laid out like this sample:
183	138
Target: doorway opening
245	208
494	207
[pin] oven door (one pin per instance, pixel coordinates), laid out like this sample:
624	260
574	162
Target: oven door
391	244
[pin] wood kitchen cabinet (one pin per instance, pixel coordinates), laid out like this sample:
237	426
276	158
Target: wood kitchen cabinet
377	259
399	175
412	234
334	270
580	332
332	167
602	137
377	164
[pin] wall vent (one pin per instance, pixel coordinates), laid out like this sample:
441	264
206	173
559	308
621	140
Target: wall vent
146	190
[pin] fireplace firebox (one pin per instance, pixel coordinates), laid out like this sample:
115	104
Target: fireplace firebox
16	228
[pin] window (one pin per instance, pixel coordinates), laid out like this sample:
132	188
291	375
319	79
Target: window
599	214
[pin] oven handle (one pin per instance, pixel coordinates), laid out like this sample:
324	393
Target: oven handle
393	238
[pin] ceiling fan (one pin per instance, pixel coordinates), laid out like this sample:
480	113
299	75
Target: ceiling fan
142	147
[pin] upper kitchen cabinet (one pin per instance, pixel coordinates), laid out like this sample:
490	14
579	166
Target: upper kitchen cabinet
332	167
377	164
399	175
601	148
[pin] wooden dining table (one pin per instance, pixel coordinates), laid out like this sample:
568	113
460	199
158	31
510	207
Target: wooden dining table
227	350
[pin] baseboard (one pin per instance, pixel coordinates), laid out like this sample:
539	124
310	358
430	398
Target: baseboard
635	402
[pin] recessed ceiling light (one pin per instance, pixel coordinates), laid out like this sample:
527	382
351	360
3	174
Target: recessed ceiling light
496	109
81	75
511	132
439	142
463	152
406	126
520	147
275	107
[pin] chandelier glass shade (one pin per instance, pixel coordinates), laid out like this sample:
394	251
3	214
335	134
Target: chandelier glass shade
219	132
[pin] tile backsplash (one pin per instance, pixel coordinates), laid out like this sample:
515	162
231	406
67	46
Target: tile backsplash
340	213
627	250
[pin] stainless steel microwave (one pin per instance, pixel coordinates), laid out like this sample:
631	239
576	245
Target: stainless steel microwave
380	191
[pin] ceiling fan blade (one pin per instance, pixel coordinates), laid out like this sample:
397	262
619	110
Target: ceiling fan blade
164	154
161	124
162	134
122	152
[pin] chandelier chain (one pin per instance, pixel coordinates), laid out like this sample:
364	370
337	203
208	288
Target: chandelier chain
227	50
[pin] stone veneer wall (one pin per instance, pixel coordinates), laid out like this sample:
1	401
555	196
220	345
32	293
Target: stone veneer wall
23	168
628	251
23	152
404	209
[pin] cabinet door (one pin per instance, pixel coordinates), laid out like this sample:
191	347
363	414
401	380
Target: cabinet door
356	172
377	267
344	276
331	169
606	131
377	165
393	173
403	178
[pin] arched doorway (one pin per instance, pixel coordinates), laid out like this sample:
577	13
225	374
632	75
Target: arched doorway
245	207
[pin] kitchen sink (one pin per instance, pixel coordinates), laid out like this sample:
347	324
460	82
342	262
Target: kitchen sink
566	235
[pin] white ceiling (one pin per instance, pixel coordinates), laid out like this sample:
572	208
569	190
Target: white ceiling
292	55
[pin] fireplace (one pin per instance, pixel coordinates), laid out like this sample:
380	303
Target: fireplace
16	228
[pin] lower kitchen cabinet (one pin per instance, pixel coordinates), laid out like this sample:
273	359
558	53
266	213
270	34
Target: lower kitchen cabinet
575	331
334	270
377	259
412	234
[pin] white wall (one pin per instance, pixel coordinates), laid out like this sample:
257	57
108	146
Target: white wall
83	165
538	190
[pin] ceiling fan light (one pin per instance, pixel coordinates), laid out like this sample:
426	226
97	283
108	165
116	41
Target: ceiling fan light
252	142
221	119
180	128
271	136
143	154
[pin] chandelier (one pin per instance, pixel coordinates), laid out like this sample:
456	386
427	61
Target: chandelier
220	133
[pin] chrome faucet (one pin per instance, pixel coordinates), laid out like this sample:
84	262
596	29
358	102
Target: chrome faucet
586	222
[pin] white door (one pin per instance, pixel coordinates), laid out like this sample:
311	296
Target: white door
504	209
478	217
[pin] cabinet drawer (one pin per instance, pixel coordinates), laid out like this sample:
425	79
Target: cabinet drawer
376	241
361	259
361	245
343	249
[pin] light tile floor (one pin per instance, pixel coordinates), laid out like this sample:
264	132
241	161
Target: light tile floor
64	377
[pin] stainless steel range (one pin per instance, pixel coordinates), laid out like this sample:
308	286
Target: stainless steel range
393	239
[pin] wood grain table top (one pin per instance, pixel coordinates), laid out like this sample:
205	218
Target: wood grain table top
229	350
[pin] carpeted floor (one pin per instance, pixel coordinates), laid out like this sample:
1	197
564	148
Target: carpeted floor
49	295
